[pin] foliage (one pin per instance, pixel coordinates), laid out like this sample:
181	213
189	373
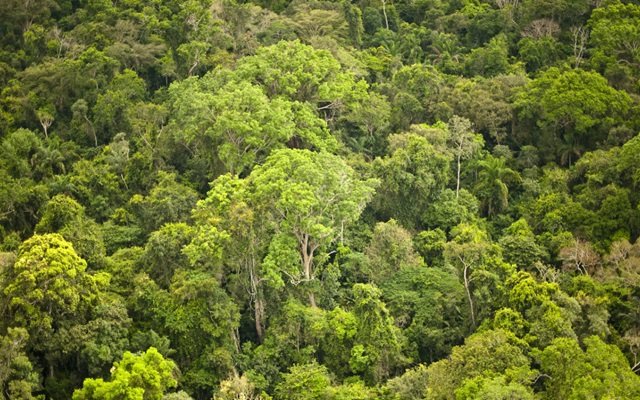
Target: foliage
144	376
319	199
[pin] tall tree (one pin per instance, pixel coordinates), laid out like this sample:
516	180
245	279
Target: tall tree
229	207
310	198
463	143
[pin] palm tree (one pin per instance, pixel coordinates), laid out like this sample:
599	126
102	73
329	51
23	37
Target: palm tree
492	185
48	161
570	150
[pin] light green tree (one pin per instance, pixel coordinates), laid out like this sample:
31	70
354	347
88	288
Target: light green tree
310	198
478	263
229	208
302	382
136	377
600	371
483	356
47	285
390	251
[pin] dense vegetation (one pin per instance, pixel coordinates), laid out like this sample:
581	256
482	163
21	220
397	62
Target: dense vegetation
375	199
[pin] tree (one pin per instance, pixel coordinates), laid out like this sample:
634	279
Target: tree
201	320
449	210
489	60
613	38
116	155
519	245
498	388
163	254
231	209
353	16
80	121
485	102
47	286
476	259
390	251
412	176
600	371
548	312
426	304
237	388
296	335
242	120
100	341
463	142
60	82
371	116
579	256
18	380
571	107
17	148
492	186
411	385
49	293
51	159
484	354
65	216
310	198
565	12
540	52
338	333
295	70
303	382
377	343
20	200
168	201
417	94
303	74
352	391
110	111
94	186
311	22
136	377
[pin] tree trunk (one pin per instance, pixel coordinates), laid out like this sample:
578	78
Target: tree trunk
312	299
458	178
235	336
384	11
258	300
307	263
258	313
